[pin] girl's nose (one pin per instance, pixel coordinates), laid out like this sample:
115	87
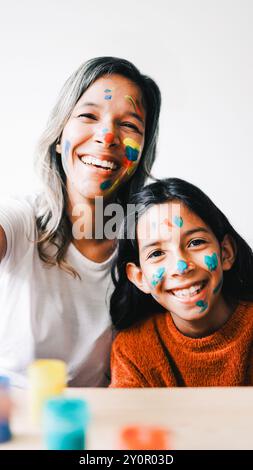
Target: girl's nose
182	267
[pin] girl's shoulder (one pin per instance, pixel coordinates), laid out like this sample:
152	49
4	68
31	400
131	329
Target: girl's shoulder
141	334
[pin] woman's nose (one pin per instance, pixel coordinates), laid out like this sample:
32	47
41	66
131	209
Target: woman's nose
107	136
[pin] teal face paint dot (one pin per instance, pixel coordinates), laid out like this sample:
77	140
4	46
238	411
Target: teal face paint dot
104	131
218	287
160	272
157	276
202	304
182	266
178	221
131	154
107	90
211	262
106	184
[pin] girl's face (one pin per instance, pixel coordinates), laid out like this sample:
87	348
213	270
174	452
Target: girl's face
181	261
102	142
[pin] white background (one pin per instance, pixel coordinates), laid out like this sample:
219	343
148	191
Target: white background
200	52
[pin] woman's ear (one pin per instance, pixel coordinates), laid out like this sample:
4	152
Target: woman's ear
135	275
228	252
58	146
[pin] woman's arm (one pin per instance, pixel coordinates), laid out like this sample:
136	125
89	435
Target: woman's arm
3	243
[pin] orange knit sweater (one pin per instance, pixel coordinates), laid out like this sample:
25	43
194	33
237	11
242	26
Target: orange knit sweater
155	354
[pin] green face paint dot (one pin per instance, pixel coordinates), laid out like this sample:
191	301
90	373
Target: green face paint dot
178	221
106	185
202	304
157	276
211	262
218	287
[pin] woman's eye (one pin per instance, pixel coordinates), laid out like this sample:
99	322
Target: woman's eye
131	126
155	254
197	242
88	116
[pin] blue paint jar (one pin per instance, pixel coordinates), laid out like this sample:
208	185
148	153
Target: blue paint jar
64	423
5	409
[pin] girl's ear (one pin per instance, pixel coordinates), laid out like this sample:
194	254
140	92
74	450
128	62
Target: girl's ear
228	252
135	275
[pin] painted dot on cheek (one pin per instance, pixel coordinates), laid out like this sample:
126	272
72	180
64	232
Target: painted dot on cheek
132	154
211	262
66	148
106	185
157	276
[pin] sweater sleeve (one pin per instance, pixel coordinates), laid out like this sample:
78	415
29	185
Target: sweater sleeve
124	372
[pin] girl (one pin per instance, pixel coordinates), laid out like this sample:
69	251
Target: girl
100	141
184	293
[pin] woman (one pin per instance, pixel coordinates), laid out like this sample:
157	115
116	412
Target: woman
54	272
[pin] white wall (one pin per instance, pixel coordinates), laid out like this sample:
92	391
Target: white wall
200	53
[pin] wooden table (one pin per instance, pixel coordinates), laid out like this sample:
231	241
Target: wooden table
197	418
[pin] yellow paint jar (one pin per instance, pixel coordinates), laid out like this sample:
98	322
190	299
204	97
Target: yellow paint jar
47	378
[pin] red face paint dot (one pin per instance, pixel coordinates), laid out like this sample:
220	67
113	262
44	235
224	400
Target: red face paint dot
126	163
109	137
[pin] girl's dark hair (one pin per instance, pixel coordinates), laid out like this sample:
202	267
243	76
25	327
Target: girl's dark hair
129	304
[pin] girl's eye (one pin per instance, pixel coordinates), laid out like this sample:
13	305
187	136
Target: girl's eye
155	254
88	116
131	126
197	242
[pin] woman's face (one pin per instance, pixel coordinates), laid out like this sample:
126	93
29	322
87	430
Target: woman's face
102	142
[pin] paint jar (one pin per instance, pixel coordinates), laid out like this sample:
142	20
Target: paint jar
47	377
64	423
5	409
143	438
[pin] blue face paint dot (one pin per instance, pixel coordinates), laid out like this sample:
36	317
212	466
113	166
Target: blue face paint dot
218	287
157	276
66	147
178	221
182	266
211	262
160	272
131	154
202	304
108	97
106	184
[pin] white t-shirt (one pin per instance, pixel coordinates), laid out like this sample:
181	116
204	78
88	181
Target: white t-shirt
45	312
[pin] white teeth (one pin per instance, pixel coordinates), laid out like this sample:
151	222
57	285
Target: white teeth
102	163
188	292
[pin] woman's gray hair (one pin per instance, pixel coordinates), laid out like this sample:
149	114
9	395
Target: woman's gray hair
53	225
